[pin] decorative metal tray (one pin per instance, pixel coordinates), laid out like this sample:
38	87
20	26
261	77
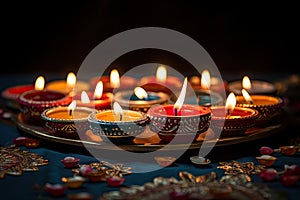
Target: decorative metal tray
146	144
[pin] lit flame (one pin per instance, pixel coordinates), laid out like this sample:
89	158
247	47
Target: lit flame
71	80
85	97
98	90
39	83
246	83
205	79
140	93
230	103
115	78
118	110
161	74
178	104
247	96
71	107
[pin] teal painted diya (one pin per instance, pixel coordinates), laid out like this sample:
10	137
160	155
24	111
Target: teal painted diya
117	126
140	100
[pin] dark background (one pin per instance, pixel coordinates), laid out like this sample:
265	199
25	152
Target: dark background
55	37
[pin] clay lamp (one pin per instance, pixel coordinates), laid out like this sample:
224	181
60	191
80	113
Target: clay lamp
161	82
232	120
73	182
67	121
70	162
55	190
114	82
33	102
184	122
252	86
118	125
266	160
115	181
268	107
98	99
139	99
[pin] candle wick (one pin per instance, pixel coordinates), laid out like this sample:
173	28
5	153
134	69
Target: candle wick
198	100
251	102
228	113
121	116
70	112
175	111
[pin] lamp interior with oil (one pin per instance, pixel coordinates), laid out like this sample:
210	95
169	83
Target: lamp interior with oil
97	100
67	121
69	86
267	106
118	114
67	113
139	99
161	82
232	119
252	86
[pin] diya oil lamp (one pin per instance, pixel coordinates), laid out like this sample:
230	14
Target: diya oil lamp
115	181
11	94
267	106
164	161
162	82
252	86
66	121
200	161
208	82
232	120
114	82
73	182
266	160
69	86
269	174
202	93
183	121
55	190
118	125
98	100
70	162
289	150
140	100
33	102
31	143
80	196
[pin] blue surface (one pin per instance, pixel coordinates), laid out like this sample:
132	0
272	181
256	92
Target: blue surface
22	187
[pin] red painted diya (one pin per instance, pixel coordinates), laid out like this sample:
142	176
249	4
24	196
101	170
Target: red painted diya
239	120
171	84
267	106
11	94
186	124
126	82
60	121
102	103
70	162
32	103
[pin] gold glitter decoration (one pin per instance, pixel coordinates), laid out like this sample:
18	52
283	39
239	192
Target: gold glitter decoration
13	161
233	167
110	169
